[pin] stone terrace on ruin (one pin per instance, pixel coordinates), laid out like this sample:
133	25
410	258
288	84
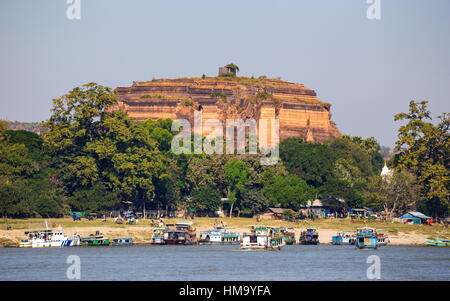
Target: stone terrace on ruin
299	111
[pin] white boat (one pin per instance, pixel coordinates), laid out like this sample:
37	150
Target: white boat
219	235
48	238
25	244
262	238
158	237
382	238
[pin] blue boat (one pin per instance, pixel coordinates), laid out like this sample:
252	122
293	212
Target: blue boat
343	238
122	242
366	238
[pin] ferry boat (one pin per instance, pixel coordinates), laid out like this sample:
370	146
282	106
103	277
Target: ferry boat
219	235
262	238
95	240
309	236
343	238
182	234
122	242
158	237
366	238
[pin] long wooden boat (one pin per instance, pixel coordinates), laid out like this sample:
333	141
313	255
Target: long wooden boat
438	243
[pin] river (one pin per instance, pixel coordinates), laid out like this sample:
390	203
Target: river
189	263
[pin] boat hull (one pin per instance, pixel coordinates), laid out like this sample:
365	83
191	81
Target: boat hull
176	242
438	243
260	247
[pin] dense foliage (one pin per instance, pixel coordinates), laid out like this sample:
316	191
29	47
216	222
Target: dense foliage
89	158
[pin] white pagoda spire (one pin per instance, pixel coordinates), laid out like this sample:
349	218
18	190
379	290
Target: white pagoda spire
385	171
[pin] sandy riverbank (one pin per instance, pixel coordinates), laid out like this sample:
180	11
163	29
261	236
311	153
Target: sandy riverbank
399	234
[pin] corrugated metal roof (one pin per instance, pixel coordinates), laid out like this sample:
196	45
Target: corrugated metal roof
418	214
279	210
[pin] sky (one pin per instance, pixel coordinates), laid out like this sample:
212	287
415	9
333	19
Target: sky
367	69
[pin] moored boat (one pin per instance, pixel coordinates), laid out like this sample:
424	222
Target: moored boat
182	234
96	239
158	237
382	238
288	235
343	238
122	242
366	238
262	238
309	236
219	235
25	243
438	242
48	238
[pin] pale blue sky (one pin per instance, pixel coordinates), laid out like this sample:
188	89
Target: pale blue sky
368	70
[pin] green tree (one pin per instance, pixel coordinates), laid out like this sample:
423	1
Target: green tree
3	129
205	200
288	191
237	175
424	150
16	199
253	202
100	153
233	67
392	193
312	162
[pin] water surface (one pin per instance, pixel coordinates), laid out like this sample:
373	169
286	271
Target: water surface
322	262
